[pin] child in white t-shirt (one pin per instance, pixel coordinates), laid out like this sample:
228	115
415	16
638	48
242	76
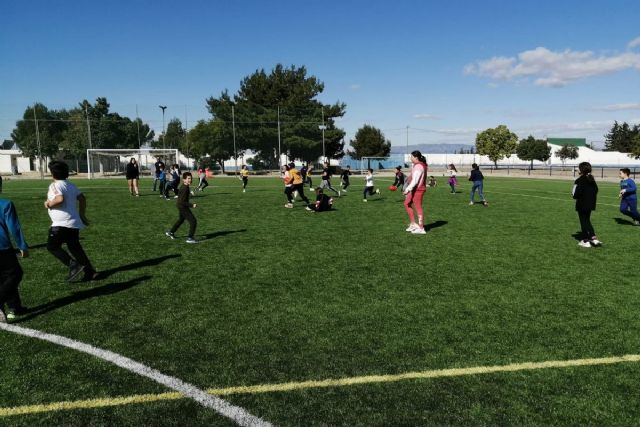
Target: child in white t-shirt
66	222
368	185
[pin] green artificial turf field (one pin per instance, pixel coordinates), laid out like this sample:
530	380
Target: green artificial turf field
273	295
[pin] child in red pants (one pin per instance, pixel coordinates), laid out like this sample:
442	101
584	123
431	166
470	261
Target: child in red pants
414	193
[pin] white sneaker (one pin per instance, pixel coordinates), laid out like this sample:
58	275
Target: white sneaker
289	205
339	193
411	227
470	203
584	244
596	242
377	191
364	200
244	191
418	231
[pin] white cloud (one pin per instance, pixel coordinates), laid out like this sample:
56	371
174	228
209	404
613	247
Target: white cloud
617	107
634	43
553	69
354	86
426	117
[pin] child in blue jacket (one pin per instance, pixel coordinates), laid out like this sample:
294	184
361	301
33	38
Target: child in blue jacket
628	197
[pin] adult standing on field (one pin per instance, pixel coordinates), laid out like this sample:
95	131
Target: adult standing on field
414	193
159	164
133	176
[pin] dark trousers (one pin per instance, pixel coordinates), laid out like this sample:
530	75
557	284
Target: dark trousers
288	191
629	207
345	184
203	184
367	190
300	189
585	225
10	277
171	186
245	180
71	236
185	214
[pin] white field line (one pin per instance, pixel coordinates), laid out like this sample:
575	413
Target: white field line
235	413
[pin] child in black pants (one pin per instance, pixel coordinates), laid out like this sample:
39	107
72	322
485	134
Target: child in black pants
184	211
66	222
585	192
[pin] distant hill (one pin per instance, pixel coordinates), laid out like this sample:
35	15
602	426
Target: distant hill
432	148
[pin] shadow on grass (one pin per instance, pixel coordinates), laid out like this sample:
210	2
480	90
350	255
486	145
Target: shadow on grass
435	224
86	294
135	265
623	221
577	235
220	233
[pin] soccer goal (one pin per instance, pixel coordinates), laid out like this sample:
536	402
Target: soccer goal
113	162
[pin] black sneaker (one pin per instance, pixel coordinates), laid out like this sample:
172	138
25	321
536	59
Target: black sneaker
90	275
75	270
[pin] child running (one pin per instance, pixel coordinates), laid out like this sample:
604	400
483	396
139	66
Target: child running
585	192
368	185
244	175
184	212
628	197
202	179
66	222
344	177
323	202
453	180
298	184
10	270
399	180
326	179
478	184
288	187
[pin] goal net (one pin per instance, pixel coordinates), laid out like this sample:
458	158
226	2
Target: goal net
113	162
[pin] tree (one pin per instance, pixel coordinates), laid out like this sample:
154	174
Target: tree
282	103
50	132
620	137
533	149
369	142
635	147
567	152
496	143
207	139
174	136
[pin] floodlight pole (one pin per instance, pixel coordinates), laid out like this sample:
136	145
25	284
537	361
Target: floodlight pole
35	118
163	107
323	127
279	149
407	139
233	131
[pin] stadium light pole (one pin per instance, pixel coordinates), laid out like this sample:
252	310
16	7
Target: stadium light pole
323	127
163	107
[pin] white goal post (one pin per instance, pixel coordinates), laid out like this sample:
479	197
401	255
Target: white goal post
113	161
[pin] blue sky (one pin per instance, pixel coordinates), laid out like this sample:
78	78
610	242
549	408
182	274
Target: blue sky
445	69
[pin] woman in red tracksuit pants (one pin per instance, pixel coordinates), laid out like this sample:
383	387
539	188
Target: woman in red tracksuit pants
414	193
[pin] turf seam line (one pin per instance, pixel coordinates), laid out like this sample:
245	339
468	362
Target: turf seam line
235	413
303	385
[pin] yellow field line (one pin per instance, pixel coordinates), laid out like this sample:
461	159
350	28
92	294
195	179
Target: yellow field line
342	382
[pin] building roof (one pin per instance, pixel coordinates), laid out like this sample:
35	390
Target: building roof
578	142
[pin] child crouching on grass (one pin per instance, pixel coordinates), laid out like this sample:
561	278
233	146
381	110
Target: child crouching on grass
184	211
323	202
585	192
